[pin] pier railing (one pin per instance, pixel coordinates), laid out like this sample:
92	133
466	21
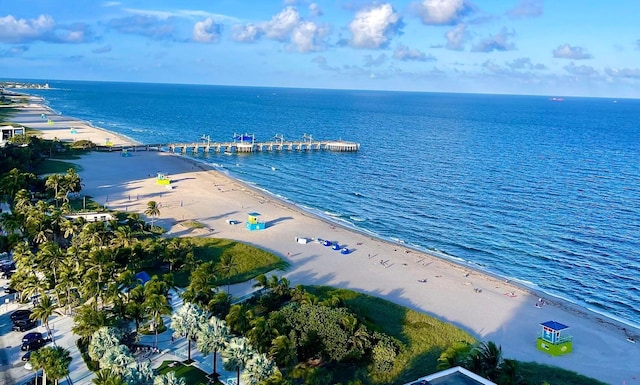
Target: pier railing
241	147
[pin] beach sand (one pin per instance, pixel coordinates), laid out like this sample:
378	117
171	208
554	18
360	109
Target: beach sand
488	307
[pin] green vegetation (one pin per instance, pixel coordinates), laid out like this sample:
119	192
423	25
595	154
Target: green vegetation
50	166
250	261
192	224
423	337
535	373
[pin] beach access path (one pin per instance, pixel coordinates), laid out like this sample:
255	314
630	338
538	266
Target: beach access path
490	308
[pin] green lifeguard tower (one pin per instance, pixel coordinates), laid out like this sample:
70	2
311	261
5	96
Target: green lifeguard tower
163	179
253	223
551	340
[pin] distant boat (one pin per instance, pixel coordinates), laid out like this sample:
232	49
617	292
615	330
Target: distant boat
556	99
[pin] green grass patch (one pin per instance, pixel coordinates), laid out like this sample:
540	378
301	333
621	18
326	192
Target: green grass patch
5	113
50	166
250	261
85	204
192	224
535	373
424	337
191	374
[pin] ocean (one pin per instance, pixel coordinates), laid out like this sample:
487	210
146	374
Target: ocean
545	193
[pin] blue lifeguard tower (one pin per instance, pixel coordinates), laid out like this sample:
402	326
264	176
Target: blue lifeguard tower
552	341
253	223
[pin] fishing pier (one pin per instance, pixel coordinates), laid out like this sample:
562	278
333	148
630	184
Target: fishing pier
247	143
241	144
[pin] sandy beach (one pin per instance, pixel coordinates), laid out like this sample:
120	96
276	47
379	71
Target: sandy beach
488	307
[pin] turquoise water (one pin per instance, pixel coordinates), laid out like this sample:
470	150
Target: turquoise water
545	193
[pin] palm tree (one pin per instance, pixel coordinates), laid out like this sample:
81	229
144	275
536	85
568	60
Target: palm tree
43	310
258	368
236	355
228	266
88	320
169	379
117	359
489	357
455	355
157	305
239	318
54	362
106	377
135	306
213	337
186	323
283	350
54	182
102	340
153	210
51	255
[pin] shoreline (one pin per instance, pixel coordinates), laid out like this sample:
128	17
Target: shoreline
448	295
532	289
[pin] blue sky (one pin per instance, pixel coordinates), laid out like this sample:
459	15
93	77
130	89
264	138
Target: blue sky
555	48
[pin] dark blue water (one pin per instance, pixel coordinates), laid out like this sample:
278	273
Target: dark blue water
547	193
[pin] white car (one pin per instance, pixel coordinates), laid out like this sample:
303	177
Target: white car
28	366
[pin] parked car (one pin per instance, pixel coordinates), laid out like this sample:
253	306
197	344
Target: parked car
22	325
33	345
31	337
20	314
27	356
28	366
9	290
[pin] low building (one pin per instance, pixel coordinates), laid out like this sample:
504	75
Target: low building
453	376
8	132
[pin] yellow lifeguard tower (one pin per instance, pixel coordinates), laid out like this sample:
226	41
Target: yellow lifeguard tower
253	223
551	340
163	179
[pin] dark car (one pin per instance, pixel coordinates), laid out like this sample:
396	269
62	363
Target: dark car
22	325
33	345
20	314
10	290
31	337
27	356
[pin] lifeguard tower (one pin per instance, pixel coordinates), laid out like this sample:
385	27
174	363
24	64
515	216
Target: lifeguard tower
551	340
253	223
163	179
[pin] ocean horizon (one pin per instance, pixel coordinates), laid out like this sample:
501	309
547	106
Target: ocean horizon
542	192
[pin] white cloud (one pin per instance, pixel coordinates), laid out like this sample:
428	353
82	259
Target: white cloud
206	31
404	53
111	4
498	42
526	8
315	10
526	64
370	61
630	73
307	37
282	24
441	12
582	70
14	30
374	27
566	51
457	37
248	33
